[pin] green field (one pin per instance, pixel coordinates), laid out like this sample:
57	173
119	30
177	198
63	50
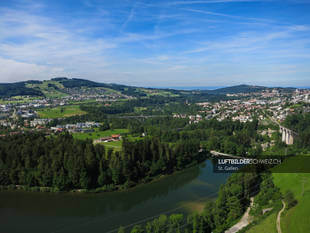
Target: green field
156	92
296	219
268	225
61	111
99	134
90	101
116	145
48	89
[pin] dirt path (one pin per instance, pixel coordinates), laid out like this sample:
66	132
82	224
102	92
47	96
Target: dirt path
244	221
279	218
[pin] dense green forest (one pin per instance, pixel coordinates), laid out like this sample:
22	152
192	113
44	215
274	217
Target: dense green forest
65	163
227	136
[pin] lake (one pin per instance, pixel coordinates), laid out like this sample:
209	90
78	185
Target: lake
184	192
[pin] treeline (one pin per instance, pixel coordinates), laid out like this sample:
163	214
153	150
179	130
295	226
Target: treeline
228	136
65	163
155	106
217	216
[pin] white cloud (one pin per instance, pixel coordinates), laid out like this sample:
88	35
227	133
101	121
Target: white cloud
45	46
13	71
251	41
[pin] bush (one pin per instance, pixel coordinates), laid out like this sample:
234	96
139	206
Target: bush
290	199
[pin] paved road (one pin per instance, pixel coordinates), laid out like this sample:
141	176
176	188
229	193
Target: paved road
220	154
279	218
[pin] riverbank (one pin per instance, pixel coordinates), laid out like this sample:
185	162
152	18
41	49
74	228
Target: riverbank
102	212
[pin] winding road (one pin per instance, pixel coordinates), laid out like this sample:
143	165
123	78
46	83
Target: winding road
279	218
244	221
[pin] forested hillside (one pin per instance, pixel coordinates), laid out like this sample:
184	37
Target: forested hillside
17	89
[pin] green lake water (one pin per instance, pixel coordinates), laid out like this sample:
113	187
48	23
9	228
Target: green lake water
31	212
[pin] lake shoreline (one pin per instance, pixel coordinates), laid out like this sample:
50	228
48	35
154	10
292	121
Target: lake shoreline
98	190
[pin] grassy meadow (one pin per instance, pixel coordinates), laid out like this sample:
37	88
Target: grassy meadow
61	111
296	219
50	88
116	145
99	134
268	225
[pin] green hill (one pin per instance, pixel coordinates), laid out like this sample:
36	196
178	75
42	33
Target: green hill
62	86
238	89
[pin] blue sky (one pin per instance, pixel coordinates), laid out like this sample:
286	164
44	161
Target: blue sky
157	43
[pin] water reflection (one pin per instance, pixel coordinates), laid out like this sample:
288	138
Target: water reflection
105	211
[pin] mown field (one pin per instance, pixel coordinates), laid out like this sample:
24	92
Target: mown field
268	225
61	111
116	145
99	134
50	89
296	219
157	92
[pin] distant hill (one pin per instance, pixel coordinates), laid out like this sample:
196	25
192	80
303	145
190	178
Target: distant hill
238	89
75	82
62	86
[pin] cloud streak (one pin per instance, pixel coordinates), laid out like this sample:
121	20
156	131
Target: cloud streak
143	43
208	2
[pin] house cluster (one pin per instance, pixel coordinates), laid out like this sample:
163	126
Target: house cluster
76	128
5	123
192	118
183	116
112	138
254	105
39	122
4	108
267	132
243	118
237	110
27	113
301	95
